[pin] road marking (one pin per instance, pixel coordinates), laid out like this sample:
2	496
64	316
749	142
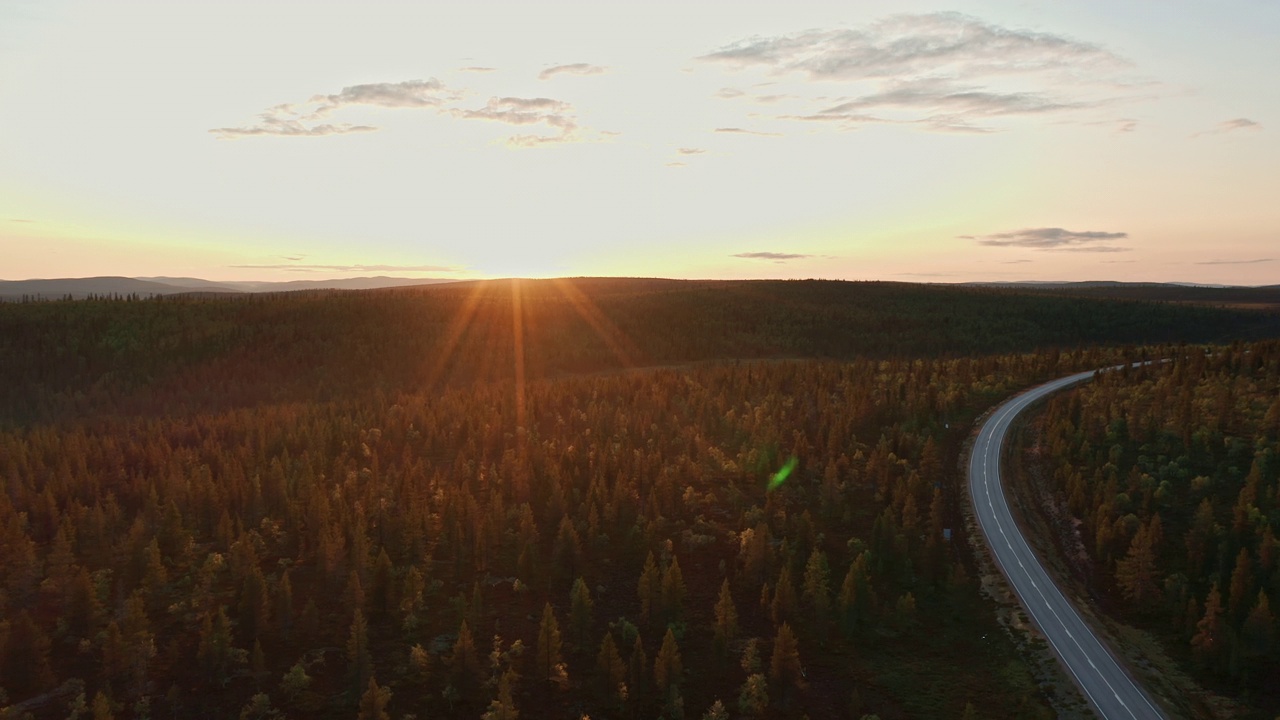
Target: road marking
996	428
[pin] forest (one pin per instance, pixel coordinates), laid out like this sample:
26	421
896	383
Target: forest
578	498
1172	471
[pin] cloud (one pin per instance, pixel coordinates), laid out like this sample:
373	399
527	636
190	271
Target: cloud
1236	262
299	120
1227	126
728	93
351	268
476	69
572	69
1055	239
1239	124
690	151
774	256
742	131
269	124
555	114
407	94
676	164
1015	262
943	71
20	220
905	45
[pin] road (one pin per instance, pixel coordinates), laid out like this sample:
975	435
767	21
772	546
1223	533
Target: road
1109	689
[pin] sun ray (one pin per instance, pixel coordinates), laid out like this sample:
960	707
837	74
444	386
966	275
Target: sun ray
461	321
617	342
517	341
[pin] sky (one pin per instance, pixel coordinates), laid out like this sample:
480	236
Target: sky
911	141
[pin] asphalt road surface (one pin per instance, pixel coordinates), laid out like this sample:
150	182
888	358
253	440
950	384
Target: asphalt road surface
1109	689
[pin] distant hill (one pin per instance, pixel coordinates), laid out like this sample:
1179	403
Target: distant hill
108	286
1219	295
202	349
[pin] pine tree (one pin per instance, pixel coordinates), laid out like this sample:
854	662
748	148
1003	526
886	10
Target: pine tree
817	587
295	682
667	665
284	606
1241	591
419	664
103	708
1259	631
217	653
753	698
1136	572
465	661
638	670
257	663
612	671
254	607
503	707
716	712
259	708
381	597
1209	642
547	661
359	657
673	591
784	665
26	658
783	607
83	608
726	627
649	588
373	704
580	605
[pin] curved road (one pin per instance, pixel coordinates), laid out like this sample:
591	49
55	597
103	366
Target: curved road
1109	689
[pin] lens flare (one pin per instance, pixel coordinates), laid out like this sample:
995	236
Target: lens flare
781	476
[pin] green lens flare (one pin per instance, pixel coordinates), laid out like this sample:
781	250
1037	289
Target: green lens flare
781	476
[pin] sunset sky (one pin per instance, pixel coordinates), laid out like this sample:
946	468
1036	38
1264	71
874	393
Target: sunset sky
874	140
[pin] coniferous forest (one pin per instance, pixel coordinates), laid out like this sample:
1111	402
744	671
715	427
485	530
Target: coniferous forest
600	498
1172	472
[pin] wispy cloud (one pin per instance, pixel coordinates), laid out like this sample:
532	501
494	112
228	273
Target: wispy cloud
728	93
303	119
744	131
676	164
1236	262
774	256
944	71
555	114
476	69
690	151
1055	239
351	268
271	123
20	220
572	69
407	94
1227	126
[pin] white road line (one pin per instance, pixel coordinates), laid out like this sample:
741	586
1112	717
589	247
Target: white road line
997	428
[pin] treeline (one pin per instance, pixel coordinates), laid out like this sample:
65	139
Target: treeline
604	545
1173	471
69	359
